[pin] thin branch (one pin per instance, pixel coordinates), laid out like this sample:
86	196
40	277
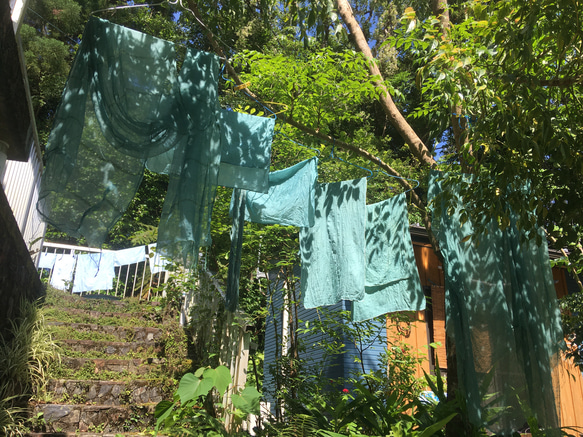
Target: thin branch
423	151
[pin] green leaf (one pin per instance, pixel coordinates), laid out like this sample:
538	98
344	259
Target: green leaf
247	401
191	387
430	430
162	412
221	378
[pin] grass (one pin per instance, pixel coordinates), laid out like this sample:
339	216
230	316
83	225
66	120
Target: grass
134	306
25	356
69	333
106	319
89	372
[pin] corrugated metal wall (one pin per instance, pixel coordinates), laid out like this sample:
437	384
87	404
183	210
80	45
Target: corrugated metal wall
21	183
327	368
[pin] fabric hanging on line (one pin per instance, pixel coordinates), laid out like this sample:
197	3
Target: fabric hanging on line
187	211
245	151
133	255
333	250
234	271
63	271
501	309
124	106
94	271
290	199
157	261
392	279
47	260
117	109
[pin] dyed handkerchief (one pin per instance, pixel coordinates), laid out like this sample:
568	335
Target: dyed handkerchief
47	260
157	261
333	250
94	271
245	151
290	199
63	271
392	280
129	256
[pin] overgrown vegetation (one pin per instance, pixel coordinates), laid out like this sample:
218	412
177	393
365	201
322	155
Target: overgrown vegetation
26	353
493	88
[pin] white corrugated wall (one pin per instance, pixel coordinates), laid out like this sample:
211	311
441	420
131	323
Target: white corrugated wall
21	183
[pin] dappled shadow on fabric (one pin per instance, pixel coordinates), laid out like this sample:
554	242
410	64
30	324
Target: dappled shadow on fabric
392	280
502	312
117	110
333	250
125	107
289	200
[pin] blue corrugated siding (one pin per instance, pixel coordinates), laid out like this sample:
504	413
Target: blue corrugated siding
341	366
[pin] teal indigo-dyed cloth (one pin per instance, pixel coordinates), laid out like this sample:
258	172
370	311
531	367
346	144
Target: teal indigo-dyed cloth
501	306
187	211
118	108
333	250
245	151
234	272
290	199
392	280
125	107
94	271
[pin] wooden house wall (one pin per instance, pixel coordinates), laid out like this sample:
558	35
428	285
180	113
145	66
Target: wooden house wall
567	378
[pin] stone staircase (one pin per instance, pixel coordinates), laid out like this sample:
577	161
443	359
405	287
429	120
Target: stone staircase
119	358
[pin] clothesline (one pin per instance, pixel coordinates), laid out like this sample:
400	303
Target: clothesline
95	270
103	139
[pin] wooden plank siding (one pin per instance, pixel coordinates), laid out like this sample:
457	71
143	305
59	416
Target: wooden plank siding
567	378
414	334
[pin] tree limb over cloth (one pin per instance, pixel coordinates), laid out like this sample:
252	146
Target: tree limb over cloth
422	153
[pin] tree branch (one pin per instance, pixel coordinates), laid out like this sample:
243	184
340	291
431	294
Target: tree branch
417	147
422	150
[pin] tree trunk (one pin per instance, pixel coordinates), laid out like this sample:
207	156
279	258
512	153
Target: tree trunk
417	147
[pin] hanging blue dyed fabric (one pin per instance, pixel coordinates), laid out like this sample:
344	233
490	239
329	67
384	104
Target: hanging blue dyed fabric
392	279
158	262
501	311
187	211
94	271
47	260
124	105
117	109
132	255
233	274
290	199
63	271
333	250
245	151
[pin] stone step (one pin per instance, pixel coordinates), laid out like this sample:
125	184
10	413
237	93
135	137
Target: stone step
137	391
123	333
89	315
100	302
96	419
113	348
136	366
